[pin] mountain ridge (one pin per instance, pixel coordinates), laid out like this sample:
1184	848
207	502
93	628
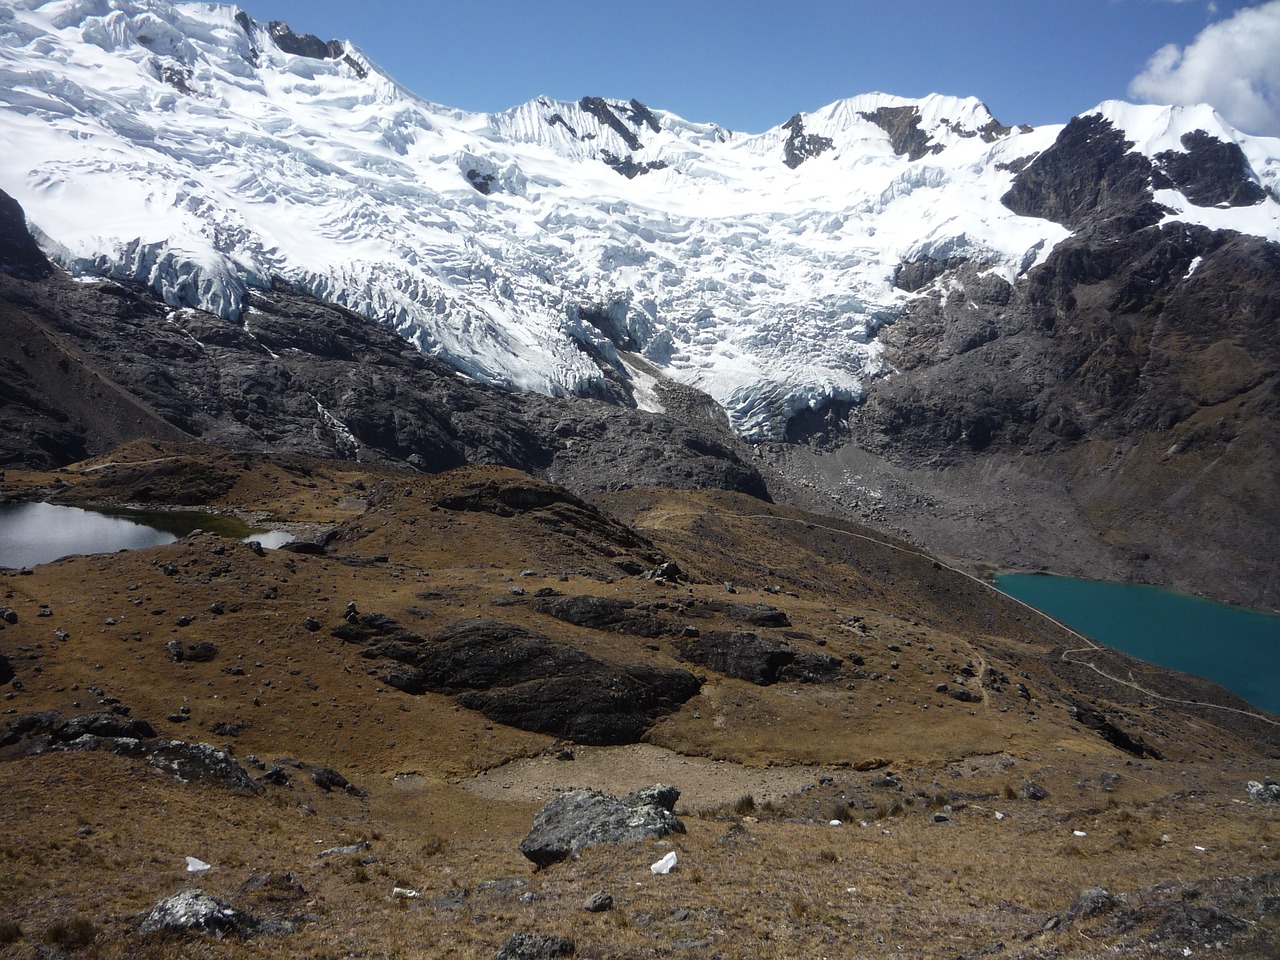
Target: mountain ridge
1008	304
480	236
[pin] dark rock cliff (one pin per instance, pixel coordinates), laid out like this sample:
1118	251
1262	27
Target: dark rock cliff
1138	367
94	365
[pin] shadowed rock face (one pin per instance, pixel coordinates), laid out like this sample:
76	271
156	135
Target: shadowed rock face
19	254
100	364
1211	173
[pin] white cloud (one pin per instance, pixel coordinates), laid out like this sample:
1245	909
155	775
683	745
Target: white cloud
1234	65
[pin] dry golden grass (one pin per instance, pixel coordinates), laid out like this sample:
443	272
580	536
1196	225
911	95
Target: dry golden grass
90	841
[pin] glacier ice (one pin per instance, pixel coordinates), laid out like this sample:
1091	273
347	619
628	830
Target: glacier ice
178	146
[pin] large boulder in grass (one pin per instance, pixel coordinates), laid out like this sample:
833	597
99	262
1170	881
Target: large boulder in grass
529	946
196	911
588	818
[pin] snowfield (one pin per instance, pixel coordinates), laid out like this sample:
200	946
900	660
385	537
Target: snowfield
180	146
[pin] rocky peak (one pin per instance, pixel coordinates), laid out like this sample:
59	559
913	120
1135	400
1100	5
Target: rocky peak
304	44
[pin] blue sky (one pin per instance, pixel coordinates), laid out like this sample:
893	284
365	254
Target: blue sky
751	64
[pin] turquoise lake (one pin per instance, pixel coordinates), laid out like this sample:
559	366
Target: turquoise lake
1236	647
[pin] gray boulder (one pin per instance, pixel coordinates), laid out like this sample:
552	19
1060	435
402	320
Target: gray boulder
1267	792
194	910
1093	901
529	946
197	763
586	818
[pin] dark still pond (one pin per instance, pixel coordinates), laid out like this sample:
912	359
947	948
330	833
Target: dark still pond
1233	646
32	533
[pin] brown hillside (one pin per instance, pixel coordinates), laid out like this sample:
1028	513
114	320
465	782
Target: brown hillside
947	704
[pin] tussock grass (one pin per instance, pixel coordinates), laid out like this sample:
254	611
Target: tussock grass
74	934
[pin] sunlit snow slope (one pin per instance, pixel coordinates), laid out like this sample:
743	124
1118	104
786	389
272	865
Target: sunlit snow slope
191	148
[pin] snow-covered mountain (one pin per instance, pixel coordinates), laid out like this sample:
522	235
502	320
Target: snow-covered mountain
193	149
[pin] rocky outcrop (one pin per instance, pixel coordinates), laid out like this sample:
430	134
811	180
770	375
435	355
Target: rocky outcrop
1087	175
303	44
47	732
586	818
1097	721
599	108
1263	792
760	660
606	613
800	146
752	614
601	705
526	680
902	124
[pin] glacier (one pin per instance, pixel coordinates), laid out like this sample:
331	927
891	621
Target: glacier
190	148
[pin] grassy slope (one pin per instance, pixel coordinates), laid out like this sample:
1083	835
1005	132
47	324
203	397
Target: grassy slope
102	838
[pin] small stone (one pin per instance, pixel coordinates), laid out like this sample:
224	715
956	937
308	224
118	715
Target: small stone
1031	790
598	902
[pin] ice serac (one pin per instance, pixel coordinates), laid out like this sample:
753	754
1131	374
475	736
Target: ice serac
198	151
